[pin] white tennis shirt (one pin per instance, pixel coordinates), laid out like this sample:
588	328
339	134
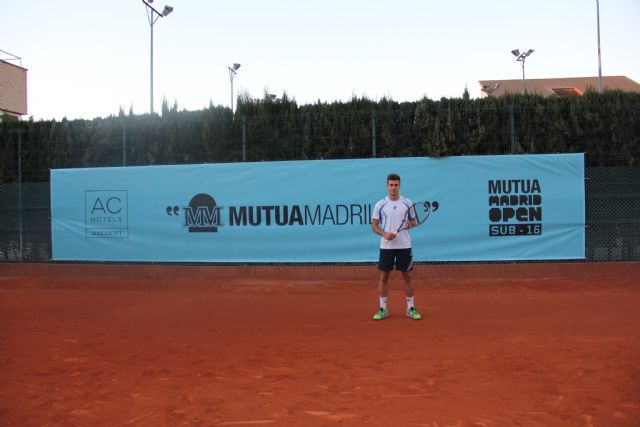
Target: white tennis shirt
390	214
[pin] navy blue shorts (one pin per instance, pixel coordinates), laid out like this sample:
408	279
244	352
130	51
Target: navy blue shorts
402	259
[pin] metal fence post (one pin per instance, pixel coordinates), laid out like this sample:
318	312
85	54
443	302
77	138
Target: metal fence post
124	141
373	133
512	128
244	138
20	238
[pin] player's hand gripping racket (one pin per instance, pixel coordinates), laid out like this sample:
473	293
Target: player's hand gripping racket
417	214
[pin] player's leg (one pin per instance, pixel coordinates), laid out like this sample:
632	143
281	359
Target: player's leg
405	265
408	284
409	291
383	292
385	264
383	284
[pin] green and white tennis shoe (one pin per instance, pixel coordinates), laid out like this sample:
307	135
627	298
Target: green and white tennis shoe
413	314
381	314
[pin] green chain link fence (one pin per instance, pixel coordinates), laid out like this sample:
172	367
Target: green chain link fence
612	148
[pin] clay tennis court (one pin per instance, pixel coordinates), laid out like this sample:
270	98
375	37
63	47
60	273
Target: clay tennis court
511	345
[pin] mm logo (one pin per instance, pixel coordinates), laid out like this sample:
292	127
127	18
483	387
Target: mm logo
201	216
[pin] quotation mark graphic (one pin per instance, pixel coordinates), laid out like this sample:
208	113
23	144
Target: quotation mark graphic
173	210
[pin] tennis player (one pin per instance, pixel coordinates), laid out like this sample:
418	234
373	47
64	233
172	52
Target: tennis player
395	247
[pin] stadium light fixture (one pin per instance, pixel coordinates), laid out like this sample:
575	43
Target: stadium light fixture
233	70
521	57
153	16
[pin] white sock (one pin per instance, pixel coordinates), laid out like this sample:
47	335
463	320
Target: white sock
410	302
383	302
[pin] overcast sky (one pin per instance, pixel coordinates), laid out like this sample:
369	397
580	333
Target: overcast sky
88	59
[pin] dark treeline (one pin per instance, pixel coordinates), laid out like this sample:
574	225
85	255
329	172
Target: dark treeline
604	126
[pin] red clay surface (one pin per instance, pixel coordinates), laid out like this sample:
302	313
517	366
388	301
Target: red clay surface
111	351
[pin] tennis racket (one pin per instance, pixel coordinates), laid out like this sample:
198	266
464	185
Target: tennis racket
418	212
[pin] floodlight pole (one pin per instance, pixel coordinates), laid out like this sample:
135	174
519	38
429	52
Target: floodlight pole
153	16
233	70
521	57
599	61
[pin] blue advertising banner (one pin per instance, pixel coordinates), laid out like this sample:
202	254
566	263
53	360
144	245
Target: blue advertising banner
521	207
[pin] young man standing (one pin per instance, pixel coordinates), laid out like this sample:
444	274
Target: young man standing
395	247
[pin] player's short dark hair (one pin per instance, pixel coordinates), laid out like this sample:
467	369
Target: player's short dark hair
393	177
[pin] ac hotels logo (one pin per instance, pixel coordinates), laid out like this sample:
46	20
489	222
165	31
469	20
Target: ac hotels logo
106	213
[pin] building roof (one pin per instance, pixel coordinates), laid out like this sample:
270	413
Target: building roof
566	86
13	89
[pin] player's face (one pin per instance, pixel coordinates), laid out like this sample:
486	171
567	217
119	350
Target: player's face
393	188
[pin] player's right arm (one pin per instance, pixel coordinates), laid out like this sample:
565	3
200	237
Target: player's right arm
379	231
